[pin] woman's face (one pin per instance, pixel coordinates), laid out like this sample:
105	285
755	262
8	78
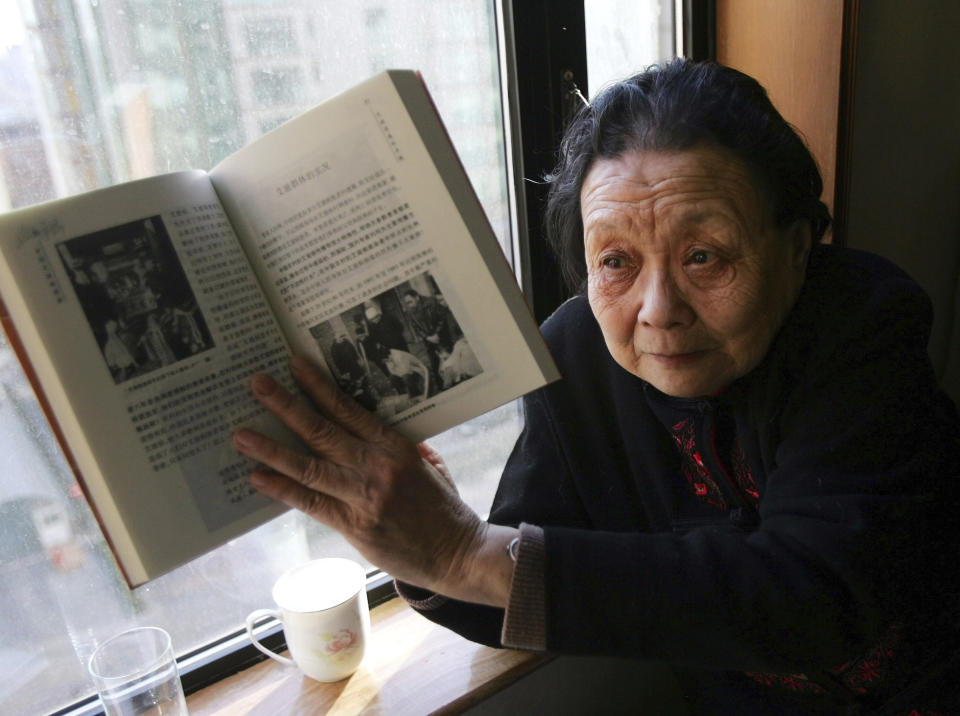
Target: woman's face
686	274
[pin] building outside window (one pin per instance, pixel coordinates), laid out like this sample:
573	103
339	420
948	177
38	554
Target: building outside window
270	36
280	86
97	92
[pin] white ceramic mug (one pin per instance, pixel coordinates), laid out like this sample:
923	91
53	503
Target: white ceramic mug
326	622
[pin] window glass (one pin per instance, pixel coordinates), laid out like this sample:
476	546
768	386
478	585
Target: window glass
278	86
624	36
269	36
96	92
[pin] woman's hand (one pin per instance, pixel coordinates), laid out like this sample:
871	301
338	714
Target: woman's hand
392	500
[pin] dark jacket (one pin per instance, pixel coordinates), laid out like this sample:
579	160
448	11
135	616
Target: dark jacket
820	566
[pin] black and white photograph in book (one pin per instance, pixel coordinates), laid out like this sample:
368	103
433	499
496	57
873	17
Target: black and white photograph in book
136	297
397	348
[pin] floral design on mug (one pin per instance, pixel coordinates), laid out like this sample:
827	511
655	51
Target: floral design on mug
340	643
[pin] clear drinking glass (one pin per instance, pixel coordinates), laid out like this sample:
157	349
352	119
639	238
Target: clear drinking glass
135	673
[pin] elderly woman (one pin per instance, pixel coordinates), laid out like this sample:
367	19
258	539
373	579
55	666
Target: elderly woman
748	470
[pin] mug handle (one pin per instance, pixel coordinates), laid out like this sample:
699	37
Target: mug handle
255	616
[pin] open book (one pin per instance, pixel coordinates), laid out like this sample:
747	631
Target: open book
349	235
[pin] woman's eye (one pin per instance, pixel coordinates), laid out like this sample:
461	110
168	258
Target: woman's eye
701	257
613	262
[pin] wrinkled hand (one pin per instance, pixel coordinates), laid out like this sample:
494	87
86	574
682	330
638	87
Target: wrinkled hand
392	500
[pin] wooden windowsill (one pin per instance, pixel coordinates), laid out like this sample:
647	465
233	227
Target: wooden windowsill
412	666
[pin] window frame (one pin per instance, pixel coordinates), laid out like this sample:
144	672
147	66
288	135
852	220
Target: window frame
519	79
697	29
544	44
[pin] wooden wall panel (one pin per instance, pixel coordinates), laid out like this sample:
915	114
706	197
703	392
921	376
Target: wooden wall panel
793	48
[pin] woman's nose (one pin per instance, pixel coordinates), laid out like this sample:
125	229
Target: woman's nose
661	304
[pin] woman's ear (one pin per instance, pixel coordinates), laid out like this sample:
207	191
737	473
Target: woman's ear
801	238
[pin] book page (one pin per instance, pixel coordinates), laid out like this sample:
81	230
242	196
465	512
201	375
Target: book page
381	267
143	321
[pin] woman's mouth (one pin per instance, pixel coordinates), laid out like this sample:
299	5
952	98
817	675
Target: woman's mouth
676	359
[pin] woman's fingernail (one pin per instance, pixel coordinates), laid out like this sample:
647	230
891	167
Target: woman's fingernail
297	364
262	384
243	438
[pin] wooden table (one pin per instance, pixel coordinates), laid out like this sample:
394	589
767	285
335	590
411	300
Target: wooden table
412	667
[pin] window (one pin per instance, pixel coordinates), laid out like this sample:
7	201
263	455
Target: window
277	87
97	92
624	36
269	36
